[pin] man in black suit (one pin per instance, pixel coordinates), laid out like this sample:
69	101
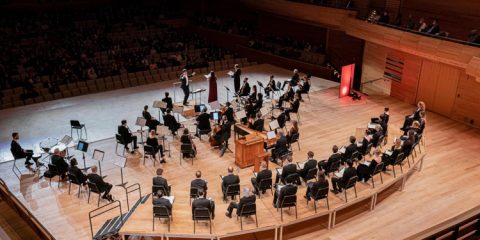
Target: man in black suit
236	77
280	147
376	136
185	86
103	186
335	157
59	162
245	89
127	136
294	107
313	187
281	119
167	100
247	198
350	148
259	123
287	96
160	201
199	183
228	180
259	103
170	121
294	80
263	174
288	189
151	122
18	152
79	175
160	181
287	169
309	164
340	183
203	123
229	112
202	202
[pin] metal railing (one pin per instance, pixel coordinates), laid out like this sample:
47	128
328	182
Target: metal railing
132	188
113	205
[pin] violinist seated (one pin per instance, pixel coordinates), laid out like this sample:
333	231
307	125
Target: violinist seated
203	123
186	138
253	95
171	122
151	123
258	124
245	90
305	86
293	130
221	132
271	86
294	106
228	112
258	103
287	96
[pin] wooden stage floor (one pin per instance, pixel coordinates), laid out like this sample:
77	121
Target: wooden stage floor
446	186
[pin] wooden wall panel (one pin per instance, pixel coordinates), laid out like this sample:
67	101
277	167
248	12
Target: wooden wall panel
467	103
427	83
445	93
406	90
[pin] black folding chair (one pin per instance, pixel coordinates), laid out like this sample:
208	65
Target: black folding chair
194	193
203	132
150	152
351	183
399	162
75	124
53	170
294	139
247	210
162	188
378	170
92	187
334	166
187	150
120	141
232	190
288	201
311	174
368	150
202	214
161	212
264	185
321	193
293	178
72	179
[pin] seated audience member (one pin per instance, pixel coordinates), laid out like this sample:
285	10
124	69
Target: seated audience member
202	202
247	198
152	140
127	136
75	171
367	138
203	123
199	183
151	122
389	157
288	168
407	145
103	186
245	90
434	28
18	152
271	86
287	96
168	100
186	138
159	200
326	164
313	187
293	130
350	149
294	106
309	164
293	80
385	18
263	174
422	121
160	181
474	36
376	136
340	182
415	128
59	162
415	116
366	168
229	179
289	189
280	147
170	121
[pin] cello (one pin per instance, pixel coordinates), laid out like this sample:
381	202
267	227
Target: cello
213	138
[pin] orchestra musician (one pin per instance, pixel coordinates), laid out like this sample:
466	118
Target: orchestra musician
287	96
294	80
228	112
259	103
245	89
294	106
127	135
169	102
253	94
236	77
185	85
152	140
305	86
171	122
415	116
18	152
186	138
212	83
151	122
271	86
203	123
258	124
293	130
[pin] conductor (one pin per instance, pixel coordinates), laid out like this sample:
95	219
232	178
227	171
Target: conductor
185	85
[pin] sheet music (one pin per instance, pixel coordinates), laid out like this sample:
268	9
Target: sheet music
274	124
206	76
162	131
372	125
388	152
264	111
241	114
177	109
279	171
342	150
141	121
359	144
280	186
230	73
98	155
66	140
159	104
171	199
214	105
339	174
271	135
367	163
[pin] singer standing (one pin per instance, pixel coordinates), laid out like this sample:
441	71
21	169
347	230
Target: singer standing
212	83
185	85
236	77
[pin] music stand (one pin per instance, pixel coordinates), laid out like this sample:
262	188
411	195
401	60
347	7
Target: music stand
215	105
66	140
98	155
179	110
141	123
121	163
274	125
264	111
228	90
260	85
162	132
160	105
83	147
241	114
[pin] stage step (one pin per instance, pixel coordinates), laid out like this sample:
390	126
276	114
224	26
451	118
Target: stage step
112	226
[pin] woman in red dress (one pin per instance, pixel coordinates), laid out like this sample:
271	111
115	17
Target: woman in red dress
212	94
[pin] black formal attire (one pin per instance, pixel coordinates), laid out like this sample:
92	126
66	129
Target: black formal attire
326	165
229	180
293	109
287	96
252	97
101	185
172	124
364	171
258	124
409	119
236	79
62	166
407	147
271	86
18	152
200	184
280	147
127	136
258	105
364	147
79	175
229	114
264	174
287	190
203	203
185	139
160	181
154	143
151	123
376	138
281	119
203	125
390	160
185	88
305	87
310	164
245	90
349	151
313	187
160	201
293	81
286	171
243	201
434	29
169	102
340	183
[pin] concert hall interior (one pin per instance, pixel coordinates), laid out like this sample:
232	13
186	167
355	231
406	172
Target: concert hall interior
239	119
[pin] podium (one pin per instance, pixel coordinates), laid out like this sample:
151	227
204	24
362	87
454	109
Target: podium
246	150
